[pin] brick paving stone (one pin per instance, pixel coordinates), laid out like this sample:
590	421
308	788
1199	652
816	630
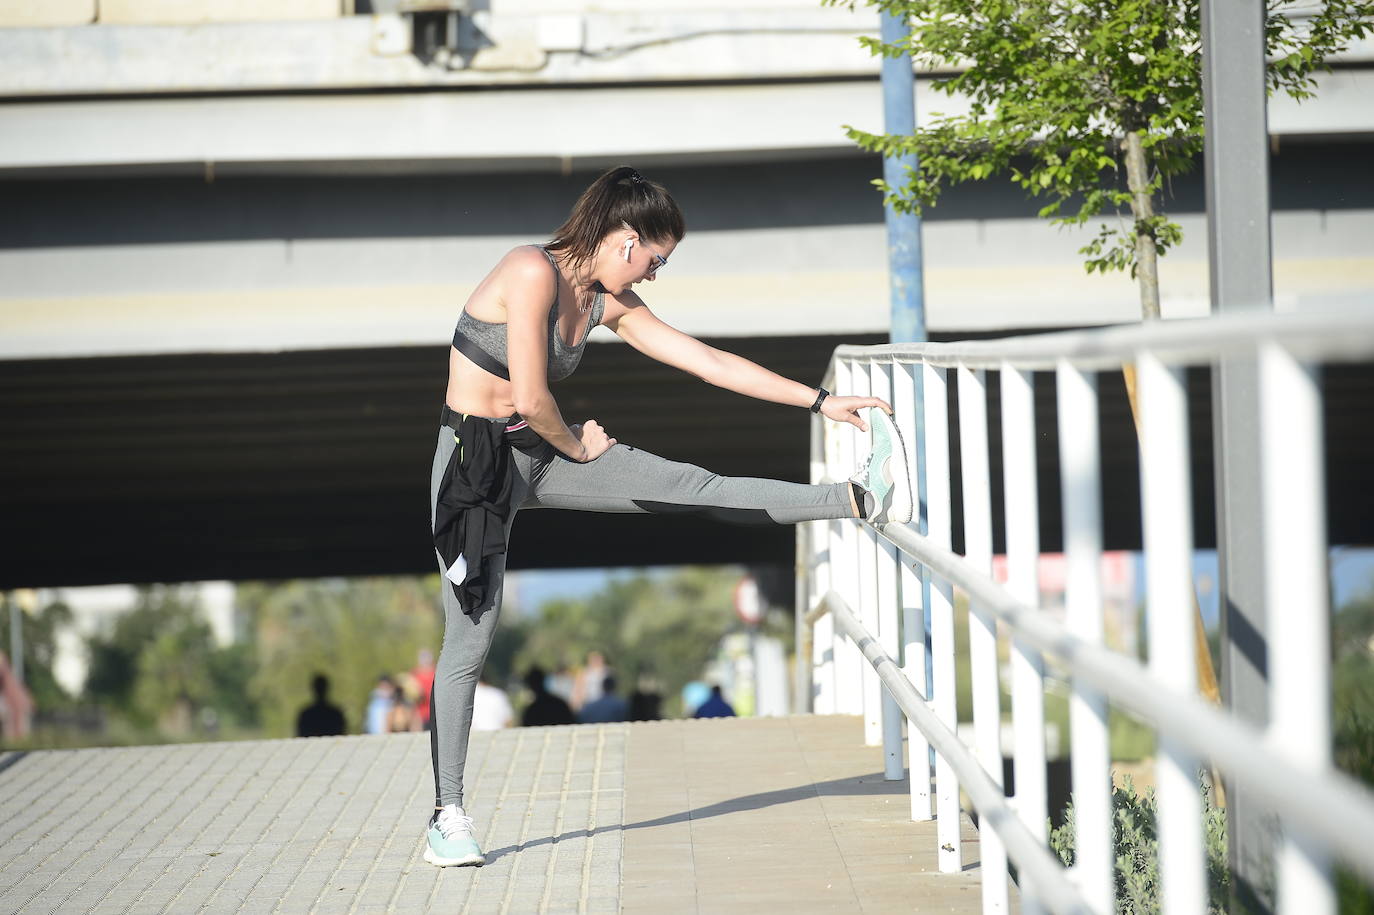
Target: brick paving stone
666	816
747	816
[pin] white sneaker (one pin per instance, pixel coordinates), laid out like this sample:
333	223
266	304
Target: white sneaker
450	839
885	473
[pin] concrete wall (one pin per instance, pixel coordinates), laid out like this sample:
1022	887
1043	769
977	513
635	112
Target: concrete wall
659	42
46	13
191	12
50	13
311	184
254	263
508	44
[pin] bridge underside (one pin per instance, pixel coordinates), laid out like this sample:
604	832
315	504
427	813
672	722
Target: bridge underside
316	463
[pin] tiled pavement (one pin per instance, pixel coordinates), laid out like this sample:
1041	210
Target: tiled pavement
689	816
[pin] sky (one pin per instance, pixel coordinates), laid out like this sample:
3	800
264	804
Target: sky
539	585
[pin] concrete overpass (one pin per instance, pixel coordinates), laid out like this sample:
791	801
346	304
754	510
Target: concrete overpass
235	250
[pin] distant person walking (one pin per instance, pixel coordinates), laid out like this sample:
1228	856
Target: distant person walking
605	708
546	707
491	709
377	719
423	672
504	445
321	718
715	707
646	701
560	683
587	683
402	718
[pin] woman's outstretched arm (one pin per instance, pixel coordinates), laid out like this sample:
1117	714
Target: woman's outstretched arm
641	328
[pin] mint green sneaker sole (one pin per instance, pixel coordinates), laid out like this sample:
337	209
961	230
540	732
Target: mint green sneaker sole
898	504
472	860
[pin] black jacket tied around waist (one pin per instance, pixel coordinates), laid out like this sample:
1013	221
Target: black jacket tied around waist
473	505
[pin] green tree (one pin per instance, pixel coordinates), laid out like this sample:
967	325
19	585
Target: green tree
1092	105
351	630
158	665
664	624
116	649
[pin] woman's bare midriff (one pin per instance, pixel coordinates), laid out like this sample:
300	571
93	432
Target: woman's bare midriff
476	391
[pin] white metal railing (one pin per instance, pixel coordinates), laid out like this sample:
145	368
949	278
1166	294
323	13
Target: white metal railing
879	595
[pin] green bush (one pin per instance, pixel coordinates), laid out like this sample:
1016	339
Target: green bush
1136	849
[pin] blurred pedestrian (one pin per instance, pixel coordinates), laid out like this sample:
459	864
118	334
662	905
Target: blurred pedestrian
491	709
587	683
546	708
605	708
560	682
715	707
378	717
321	718
16	704
646	701
403	718
423	672
694	694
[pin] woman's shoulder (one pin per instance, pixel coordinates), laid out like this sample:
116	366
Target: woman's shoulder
525	267
526	261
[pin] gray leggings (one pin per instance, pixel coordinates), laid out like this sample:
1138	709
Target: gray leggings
623	479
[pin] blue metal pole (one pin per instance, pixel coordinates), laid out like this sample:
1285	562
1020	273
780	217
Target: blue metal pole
907	283
906	278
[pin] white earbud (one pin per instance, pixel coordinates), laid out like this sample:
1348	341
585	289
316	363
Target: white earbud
629	243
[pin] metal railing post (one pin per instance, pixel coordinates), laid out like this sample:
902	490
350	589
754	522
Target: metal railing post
1023	581
1168	523
824	650
844	564
888	599
914	633
1089	757
1293	489
819	658
943	670
982	626
866	571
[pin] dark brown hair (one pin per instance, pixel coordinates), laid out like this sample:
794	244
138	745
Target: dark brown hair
621	196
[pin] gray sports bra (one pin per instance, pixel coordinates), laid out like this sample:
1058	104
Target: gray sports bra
485	343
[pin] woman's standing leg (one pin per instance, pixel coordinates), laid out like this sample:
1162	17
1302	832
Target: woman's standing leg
467	639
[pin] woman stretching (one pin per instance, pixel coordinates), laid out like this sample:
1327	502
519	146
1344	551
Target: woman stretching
503	444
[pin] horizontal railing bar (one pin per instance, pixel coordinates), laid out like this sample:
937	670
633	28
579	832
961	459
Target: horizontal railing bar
816	612
1334	808
1327	337
1035	861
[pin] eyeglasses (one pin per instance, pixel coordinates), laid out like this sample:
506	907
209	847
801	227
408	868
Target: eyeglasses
658	263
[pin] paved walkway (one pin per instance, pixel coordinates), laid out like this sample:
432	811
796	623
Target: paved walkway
683	816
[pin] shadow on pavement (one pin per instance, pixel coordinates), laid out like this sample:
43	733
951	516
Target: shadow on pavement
840	787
